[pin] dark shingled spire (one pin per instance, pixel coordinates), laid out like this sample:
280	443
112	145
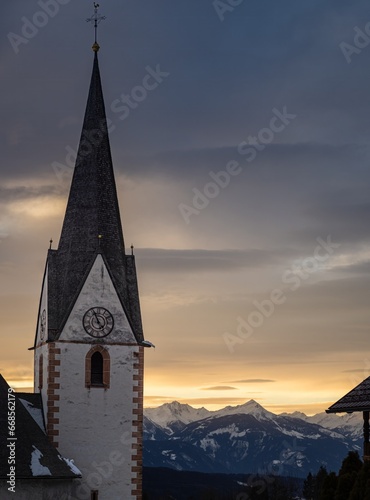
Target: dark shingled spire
92	223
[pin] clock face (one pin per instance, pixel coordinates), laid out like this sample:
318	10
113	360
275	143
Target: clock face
98	322
42	324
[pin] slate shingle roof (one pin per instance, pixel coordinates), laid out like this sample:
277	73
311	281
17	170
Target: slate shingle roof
92	210
32	444
358	399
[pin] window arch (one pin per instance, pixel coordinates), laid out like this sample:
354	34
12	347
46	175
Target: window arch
41	371
97	368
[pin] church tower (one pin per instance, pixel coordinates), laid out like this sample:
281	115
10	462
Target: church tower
89	343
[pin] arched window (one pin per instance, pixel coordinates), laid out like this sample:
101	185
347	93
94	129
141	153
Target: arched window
97	368
41	371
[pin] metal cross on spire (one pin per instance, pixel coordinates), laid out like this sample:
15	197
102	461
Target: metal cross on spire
96	19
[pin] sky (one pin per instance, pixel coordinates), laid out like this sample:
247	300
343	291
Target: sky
242	169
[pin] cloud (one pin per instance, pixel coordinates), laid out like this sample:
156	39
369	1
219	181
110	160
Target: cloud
253	381
197	260
18	193
359	370
219	388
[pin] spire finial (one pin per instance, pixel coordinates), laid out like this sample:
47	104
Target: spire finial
96	19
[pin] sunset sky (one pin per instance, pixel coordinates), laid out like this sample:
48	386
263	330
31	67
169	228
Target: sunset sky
255	287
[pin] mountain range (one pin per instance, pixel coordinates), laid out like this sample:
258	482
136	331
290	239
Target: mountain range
247	439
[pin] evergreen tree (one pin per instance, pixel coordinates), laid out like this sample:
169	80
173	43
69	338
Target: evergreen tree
352	483
329	487
352	463
361	489
309	487
320	479
278	491
348	473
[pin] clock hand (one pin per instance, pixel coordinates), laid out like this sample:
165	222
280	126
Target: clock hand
98	320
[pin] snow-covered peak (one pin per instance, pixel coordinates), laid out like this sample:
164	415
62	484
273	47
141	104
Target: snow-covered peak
169	413
295	414
249	408
334	421
349	423
329	421
175	412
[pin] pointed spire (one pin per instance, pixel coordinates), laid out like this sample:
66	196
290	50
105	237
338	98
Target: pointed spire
93	193
92	221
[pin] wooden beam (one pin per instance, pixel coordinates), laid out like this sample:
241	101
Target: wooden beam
366	436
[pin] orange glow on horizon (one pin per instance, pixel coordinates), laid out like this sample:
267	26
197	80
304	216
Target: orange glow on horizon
307	406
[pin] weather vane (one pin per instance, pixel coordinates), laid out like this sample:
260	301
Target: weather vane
96	19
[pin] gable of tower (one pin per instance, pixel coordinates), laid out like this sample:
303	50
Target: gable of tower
98	300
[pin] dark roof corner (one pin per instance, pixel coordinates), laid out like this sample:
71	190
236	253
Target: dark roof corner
358	399
36	456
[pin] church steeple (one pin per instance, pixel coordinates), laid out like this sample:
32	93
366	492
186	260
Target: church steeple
92	222
89	345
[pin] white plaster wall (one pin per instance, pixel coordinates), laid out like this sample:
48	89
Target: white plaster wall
96	424
98	291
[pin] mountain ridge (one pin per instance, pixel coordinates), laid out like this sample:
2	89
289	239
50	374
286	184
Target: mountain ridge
330	421
246	438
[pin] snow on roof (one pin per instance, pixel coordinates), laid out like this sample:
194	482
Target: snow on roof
71	465
36	467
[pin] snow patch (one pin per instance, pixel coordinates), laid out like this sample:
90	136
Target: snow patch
232	429
169	454
71	465
295	434
37	468
209	444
